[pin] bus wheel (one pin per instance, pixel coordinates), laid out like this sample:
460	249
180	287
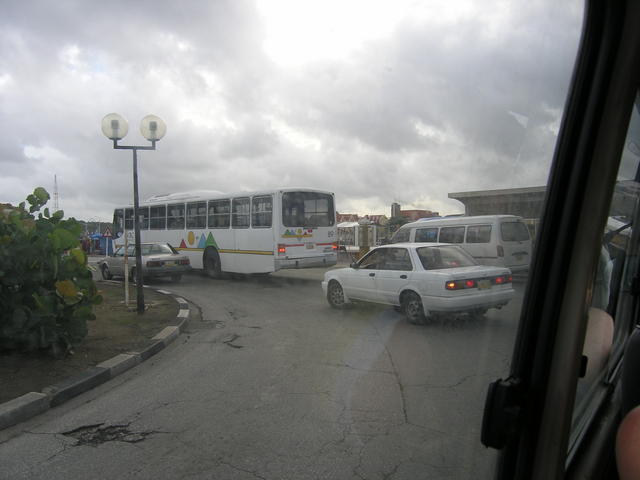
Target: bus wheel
211	263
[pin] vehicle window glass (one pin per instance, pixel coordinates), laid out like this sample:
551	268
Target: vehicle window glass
219	213
158	217
261	212
119	252
128	218
240	213
373	261
175	216
197	215
143	218
438	258
397	259
451	235
118	221
612	309
307	209
478	233
514	232
131	251
426	235
401	236
146	249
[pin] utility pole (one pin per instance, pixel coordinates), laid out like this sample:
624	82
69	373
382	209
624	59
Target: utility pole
56	205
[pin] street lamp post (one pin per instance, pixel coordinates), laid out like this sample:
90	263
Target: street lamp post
115	128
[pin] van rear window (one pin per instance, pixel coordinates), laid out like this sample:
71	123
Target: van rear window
514	232
478	233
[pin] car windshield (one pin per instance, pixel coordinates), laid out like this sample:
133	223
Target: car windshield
273	144
437	258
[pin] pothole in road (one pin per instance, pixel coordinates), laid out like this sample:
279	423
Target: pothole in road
98	434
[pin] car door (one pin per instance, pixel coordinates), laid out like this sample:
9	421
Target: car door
117	261
361	283
395	274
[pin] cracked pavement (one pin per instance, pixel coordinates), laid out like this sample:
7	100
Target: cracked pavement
269	382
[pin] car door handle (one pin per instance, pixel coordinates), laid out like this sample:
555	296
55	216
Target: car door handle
403	276
372	274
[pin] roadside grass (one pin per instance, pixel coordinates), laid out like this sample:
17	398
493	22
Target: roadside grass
117	329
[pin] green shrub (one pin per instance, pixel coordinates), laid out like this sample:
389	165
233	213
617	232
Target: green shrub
46	289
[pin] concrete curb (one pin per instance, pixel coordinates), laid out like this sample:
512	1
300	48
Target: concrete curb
33	403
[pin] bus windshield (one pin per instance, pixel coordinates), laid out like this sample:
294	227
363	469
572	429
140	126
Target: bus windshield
307	209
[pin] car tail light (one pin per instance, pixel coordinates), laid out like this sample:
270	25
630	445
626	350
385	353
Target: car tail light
155	263
460	284
184	261
282	249
335	245
501	280
500	249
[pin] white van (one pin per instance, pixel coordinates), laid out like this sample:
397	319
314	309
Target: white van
499	240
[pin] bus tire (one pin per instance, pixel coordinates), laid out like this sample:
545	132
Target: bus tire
211	263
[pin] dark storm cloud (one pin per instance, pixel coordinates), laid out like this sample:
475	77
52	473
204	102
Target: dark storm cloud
431	108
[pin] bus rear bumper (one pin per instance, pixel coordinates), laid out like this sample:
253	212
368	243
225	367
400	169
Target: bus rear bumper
326	260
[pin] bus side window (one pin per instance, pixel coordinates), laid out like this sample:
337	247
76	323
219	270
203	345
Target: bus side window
219	213
158	217
261	212
175	216
240	213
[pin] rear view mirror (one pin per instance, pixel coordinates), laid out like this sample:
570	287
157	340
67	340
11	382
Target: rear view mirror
354	265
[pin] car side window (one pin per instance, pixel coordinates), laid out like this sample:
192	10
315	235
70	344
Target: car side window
373	261
397	259
119	252
452	235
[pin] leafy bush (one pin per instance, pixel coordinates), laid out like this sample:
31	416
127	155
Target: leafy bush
46	289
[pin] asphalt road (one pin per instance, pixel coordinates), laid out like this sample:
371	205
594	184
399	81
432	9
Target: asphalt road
271	383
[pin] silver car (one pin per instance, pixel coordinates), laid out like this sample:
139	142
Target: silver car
158	260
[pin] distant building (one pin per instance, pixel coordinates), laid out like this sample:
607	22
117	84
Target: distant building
346	217
417	214
377	219
395	210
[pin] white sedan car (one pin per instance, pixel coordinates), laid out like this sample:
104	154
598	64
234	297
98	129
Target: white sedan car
423	279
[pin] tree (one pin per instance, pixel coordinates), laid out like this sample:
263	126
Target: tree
47	292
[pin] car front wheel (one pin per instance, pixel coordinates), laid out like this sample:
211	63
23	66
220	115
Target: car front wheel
412	308
335	295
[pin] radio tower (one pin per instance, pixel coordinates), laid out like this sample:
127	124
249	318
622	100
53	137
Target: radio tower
56	206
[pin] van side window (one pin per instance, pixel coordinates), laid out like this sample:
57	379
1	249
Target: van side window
401	235
427	235
452	235
478	233
514	232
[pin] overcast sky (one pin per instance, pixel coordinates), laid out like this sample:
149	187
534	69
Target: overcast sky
377	101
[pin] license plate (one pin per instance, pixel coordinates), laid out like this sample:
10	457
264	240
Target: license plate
484	284
310	246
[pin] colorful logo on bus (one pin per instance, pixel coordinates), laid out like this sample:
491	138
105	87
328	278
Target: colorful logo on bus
203	242
298	233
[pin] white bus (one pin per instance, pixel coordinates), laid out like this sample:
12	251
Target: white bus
498	240
243	232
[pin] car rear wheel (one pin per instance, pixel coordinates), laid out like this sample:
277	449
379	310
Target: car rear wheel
106	274
335	295
412	308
